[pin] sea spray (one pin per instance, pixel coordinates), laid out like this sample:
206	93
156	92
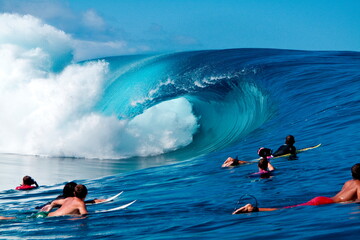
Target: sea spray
48	102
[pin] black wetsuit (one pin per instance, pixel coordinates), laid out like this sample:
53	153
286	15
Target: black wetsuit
285	149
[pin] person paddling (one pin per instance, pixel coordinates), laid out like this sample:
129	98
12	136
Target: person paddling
231	162
349	192
70	205
27	184
68	191
287	148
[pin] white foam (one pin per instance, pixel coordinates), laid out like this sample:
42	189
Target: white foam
47	101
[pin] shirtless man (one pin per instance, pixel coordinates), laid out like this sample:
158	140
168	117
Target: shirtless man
68	191
349	192
70	205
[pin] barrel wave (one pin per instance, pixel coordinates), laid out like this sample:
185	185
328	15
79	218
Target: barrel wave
222	93
185	104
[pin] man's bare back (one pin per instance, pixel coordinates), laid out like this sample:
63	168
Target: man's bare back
69	206
349	192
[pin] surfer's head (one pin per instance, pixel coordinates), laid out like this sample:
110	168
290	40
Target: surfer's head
355	171
27	180
290	139
263	163
264	152
80	191
68	190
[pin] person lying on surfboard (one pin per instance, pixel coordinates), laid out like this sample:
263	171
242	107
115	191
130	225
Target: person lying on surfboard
68	191
349	192
70	205
231	162
287	148
27	184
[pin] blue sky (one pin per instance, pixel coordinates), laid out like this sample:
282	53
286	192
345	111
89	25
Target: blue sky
136	26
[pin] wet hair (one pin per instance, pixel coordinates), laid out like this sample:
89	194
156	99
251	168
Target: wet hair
69	188
264	152
290	139
263	163
355	171
27	180
80	191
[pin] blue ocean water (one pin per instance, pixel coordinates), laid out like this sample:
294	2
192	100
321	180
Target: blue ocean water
158	127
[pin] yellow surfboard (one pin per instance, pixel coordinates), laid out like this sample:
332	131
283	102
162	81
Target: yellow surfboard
289	154
298	151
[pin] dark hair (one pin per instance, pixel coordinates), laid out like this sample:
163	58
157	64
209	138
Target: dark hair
264	152
355	171
80	191
69	188
263	163
27	180
290	139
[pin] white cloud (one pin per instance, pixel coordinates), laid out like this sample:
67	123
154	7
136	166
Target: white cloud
41	9
92	20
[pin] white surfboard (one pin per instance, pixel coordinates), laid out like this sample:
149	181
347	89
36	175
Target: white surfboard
111	198
115	209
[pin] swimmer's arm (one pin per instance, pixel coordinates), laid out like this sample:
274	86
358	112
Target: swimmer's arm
230	160
6	218
50	206
243	162
36	184
270	167
95	201
82	209
249	208
358	195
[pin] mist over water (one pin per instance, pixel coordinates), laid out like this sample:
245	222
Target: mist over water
48	102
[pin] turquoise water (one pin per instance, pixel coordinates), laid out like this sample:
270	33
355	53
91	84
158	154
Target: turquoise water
164	126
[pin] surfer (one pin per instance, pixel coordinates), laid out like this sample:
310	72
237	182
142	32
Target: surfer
265	168
68	191
265	165
27	184
349	192
70	205
231	162
287	148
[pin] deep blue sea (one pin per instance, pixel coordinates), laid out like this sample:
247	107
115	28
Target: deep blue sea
158	127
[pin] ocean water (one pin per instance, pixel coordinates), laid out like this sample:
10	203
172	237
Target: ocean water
158	127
